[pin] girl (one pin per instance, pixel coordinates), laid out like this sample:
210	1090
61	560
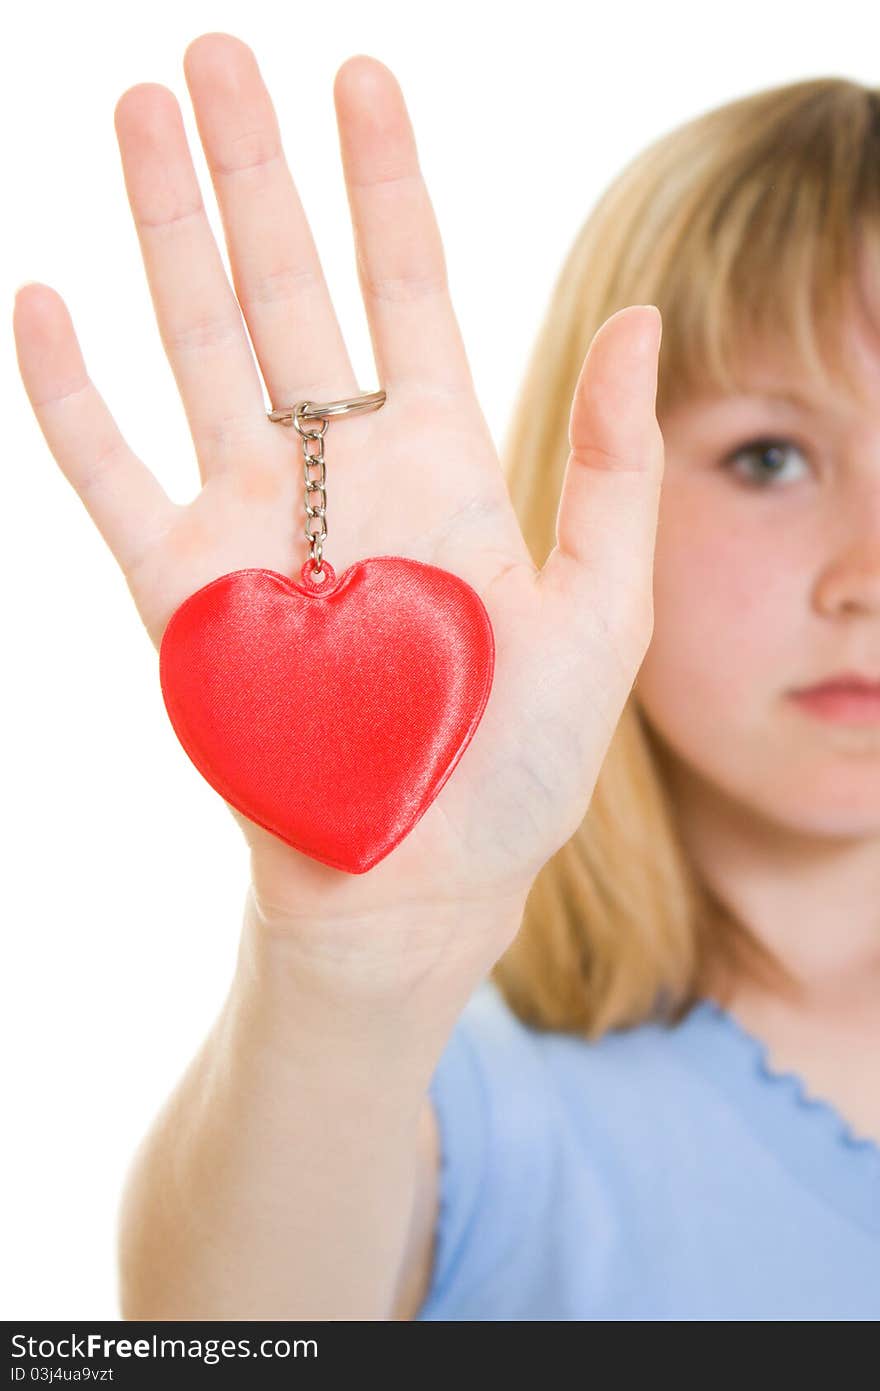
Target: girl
600	1039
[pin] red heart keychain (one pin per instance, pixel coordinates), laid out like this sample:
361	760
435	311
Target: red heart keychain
329	711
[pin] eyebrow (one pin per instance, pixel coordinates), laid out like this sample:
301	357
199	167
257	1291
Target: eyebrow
790	397
778	396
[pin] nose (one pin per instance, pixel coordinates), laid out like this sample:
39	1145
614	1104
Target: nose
850	581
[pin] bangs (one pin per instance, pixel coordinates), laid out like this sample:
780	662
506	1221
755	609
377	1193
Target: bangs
781	249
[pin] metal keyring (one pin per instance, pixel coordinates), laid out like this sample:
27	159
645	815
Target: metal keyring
312	410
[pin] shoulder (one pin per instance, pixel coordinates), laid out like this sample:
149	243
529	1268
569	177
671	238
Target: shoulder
503	1049
531	1122
515	1103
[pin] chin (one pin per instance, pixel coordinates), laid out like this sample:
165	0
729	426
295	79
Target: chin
834	808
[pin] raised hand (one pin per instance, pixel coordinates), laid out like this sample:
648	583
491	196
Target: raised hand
420	477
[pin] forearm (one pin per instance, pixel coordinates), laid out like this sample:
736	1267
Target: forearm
278	1179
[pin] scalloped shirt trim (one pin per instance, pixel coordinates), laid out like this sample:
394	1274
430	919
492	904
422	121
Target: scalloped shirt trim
806	1133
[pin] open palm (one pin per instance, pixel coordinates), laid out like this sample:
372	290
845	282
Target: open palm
420	477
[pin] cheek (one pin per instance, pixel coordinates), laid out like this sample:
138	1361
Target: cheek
734	629
728	606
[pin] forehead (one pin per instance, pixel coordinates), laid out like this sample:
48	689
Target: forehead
770	373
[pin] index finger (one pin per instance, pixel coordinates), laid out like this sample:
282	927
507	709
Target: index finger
125	500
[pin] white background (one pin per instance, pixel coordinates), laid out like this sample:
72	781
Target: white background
124	874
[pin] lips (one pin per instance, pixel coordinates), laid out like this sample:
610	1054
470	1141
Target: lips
845	699
847	683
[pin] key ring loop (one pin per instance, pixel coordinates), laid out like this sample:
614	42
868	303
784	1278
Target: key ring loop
311	410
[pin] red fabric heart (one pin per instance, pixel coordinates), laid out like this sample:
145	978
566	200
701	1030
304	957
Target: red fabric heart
330	713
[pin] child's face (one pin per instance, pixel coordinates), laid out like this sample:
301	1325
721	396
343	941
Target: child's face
762	586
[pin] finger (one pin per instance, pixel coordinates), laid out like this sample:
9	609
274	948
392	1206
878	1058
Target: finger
275	266
607	518
401	262
199	318
123	498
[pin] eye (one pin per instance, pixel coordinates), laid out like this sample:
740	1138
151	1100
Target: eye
762	461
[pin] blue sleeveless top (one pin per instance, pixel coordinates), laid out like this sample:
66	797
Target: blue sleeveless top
659	1172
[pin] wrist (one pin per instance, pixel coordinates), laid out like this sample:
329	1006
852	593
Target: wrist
411	963
349	1010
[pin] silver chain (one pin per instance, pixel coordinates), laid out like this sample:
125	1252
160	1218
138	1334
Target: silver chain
314	485
309	410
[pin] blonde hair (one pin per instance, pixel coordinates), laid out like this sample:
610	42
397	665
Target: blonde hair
750	223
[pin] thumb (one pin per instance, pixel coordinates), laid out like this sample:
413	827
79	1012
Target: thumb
607	518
